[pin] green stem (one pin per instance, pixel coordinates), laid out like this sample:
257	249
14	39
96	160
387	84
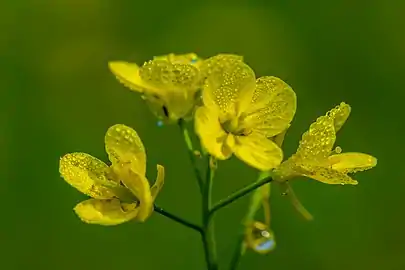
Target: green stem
178	219
208	235
240	193
191	153
255	203
237	254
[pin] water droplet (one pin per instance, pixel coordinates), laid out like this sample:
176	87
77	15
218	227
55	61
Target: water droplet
338	150
159	123
266	246
284	194
342	183
261	239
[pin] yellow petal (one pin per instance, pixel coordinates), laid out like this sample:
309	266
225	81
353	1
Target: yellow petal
210	132
230	91
328	175
139	186
352	162
273	106
188	58
258	151
339	114
166	76
128	74
175	91
317	143
106	212
160	179
85	173
218	63
123	144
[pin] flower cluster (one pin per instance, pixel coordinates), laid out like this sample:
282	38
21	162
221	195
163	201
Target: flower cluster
233	113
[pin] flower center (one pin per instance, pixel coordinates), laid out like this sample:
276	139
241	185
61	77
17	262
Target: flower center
233	126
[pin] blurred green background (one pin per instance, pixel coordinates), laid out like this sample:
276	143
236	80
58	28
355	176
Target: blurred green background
58	96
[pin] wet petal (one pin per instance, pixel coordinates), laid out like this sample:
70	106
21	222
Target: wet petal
210	132
106	212
188	58
317	143
352	162
128	74
328	176
339	114
123	144
230	91
177	86
218	63
258	151
160	179
168	77
139	186
86	173
273	106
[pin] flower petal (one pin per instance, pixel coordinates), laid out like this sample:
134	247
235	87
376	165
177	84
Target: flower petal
106	212
128	74
258	152
230	90
328	175
316	143
123	144
139	186
188	58
210	132
352	162
86	173
273	106
175	91
160	180
339	114
167	76
218	63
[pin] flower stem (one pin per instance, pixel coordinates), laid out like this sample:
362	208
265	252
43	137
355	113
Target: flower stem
191	153
238	252
208	235
240	193
177	219
240	246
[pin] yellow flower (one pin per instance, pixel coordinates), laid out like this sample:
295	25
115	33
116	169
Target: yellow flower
119	192
240	113
169	83
315	157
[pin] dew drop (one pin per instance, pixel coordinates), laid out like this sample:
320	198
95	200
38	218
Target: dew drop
159	123
262	239
266	246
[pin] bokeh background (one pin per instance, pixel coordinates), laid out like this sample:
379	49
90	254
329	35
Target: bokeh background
58	96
